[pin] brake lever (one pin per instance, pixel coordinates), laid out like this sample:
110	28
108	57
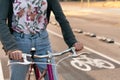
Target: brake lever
74	53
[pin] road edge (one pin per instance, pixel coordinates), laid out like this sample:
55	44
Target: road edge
1	72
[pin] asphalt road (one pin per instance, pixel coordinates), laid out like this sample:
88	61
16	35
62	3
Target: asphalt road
97	49
102	24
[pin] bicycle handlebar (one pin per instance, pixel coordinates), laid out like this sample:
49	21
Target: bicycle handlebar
49	56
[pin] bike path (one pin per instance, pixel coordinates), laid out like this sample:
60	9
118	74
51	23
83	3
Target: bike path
93	53
111	68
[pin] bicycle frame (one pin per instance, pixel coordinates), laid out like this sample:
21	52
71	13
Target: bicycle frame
50	73
49	70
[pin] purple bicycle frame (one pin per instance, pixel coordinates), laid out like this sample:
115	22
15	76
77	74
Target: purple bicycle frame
50	72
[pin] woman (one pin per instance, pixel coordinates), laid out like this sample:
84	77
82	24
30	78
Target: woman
29	22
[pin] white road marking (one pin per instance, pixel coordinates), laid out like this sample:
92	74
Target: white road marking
94	51
1	72
54	33
87	62
117	43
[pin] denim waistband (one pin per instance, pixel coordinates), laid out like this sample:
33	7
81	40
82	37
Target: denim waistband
23	35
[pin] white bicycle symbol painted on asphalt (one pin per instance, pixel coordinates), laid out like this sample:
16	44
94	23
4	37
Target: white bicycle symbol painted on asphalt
84	63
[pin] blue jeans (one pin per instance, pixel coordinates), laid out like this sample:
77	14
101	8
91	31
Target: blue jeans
25	42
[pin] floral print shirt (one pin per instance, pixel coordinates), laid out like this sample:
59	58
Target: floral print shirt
30	16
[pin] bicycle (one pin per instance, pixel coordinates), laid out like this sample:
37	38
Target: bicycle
84	63
49	57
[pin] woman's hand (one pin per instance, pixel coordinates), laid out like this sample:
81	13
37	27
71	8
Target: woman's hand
15	55
78	46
